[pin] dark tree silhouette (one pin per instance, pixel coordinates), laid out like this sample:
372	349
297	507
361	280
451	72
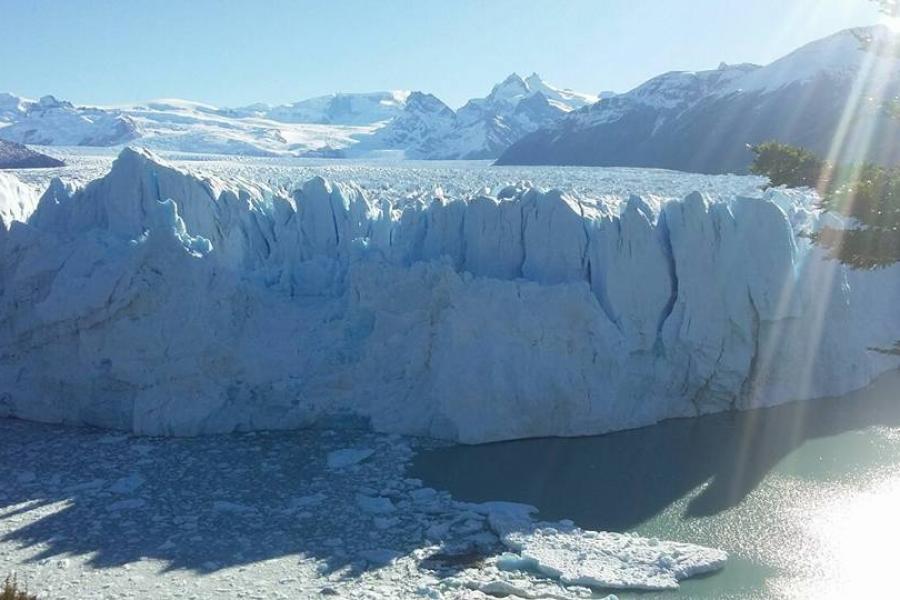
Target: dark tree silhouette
867	195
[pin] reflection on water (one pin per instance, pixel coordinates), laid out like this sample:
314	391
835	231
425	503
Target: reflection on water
856	532
805	496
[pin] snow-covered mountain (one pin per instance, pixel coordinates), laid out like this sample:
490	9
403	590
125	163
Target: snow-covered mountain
334	109
167	124
52	122
483	127
412	124
18	156
195	127
417	131
828	96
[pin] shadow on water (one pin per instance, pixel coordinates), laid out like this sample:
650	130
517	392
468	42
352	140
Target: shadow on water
620	480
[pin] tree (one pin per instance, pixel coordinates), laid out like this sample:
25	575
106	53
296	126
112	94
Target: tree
867	195
870	195
786	165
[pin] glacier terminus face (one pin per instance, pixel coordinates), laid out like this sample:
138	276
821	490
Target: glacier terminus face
167	300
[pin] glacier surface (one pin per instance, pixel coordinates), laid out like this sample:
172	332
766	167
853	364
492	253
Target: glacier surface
159	300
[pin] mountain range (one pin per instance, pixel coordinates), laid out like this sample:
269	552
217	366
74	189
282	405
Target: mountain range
835	96
406	124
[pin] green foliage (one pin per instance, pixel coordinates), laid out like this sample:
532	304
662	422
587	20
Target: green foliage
867	193
861	248
12	591
871	195
787	165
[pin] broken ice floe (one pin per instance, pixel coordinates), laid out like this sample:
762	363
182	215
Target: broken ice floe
347	457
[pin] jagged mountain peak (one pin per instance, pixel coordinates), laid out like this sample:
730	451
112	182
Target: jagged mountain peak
424	101
50	101
804	98
511	89
534	81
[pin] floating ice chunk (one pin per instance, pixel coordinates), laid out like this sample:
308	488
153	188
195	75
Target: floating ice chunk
611	560
88	486
305	502
127	485
437	531
130	504
339	459
112	439
576	556
384	523
231	507
379	556
375	504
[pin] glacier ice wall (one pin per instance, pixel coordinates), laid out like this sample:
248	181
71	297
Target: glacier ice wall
163	302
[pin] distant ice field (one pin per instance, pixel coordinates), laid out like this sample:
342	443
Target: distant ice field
401	178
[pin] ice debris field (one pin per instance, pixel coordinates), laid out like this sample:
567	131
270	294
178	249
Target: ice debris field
364	303
308	514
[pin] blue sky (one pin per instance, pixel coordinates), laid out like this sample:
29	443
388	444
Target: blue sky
237	52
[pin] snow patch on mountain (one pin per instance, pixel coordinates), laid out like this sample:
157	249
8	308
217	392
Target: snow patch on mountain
334	109
867	51
192	127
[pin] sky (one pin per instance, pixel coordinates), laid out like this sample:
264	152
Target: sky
232	53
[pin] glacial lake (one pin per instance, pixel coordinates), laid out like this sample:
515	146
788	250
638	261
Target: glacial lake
805	497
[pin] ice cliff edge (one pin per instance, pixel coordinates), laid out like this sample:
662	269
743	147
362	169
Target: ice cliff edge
160	301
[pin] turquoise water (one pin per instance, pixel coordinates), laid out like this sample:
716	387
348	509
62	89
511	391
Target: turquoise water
805	497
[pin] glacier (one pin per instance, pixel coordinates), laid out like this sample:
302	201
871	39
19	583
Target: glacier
160	300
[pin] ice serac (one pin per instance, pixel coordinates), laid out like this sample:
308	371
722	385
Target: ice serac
17	201
160	301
